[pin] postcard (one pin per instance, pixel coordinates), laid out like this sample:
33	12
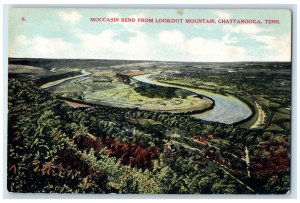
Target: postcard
149	101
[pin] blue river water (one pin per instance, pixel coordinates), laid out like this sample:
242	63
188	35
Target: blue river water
227	109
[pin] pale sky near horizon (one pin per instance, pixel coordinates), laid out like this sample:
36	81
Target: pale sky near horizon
68	33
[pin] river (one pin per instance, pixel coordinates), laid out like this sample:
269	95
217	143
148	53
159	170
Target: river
59	82
227	109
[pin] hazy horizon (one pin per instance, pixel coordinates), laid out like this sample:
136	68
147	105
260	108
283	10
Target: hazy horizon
145	60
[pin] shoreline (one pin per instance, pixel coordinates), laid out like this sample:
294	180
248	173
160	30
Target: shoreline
225	93
86	104
200	96
187	111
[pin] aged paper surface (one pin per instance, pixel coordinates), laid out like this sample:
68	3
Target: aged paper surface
161	101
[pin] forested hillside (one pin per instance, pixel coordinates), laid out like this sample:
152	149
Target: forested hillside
53	147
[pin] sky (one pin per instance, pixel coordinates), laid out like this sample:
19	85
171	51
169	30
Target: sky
68	33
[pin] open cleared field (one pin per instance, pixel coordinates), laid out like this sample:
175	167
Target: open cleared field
119	94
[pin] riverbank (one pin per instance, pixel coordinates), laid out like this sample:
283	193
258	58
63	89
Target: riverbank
75	103
247	122
122	95
228	109
58	82
118	94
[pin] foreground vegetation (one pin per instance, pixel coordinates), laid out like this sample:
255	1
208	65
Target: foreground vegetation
55	148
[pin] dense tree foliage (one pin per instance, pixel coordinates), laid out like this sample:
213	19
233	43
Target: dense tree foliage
56	148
